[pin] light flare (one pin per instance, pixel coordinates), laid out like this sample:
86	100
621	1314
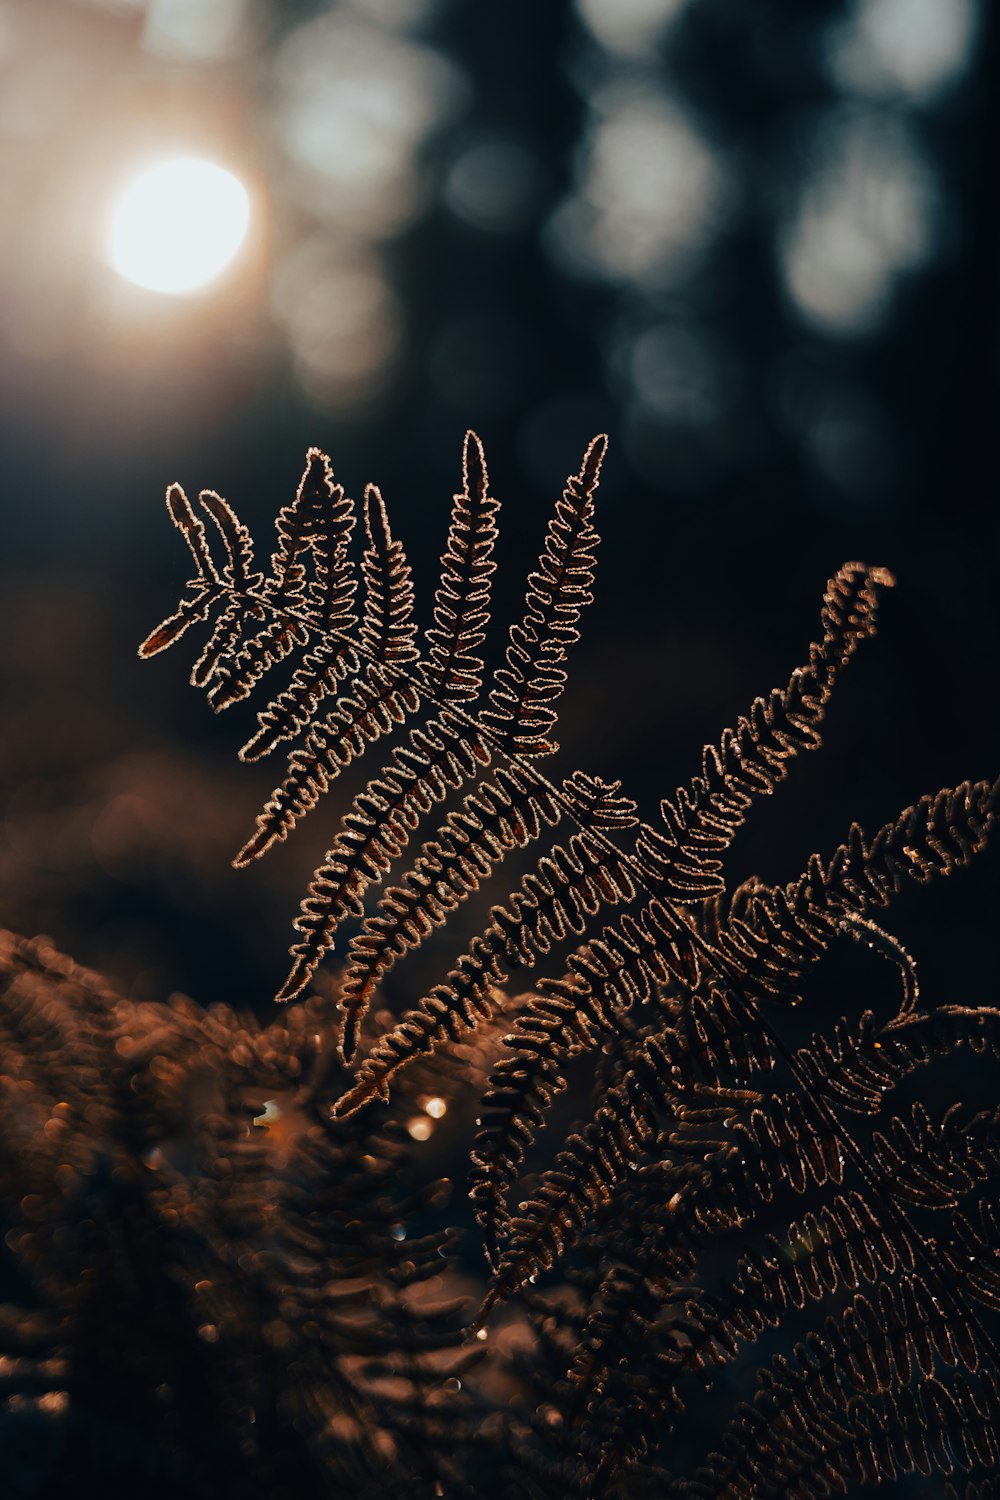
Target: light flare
176	225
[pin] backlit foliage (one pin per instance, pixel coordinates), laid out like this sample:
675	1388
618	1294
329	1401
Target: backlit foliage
808	1229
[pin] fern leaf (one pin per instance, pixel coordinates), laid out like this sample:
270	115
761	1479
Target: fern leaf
704	1120
439	757
386	635
555	901
844	1410
499	816
221	643
321	673
752	759
296	527
207	586
469	998
780	1141
646	951
782	1138
785	930
190	612
235	676
192	529
239	570
627	966
379	704
562	1020
534	676
330	594
386	628
841	1246
453	673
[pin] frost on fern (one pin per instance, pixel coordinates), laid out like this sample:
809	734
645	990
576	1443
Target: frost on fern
706	1128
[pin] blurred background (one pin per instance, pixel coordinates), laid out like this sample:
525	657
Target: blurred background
756	243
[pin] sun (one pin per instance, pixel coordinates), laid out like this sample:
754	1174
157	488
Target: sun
177	224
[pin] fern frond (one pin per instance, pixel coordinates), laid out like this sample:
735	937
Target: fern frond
649	1318
563	1019
704	1121
379	704
501	815
316	527
645	951
467	999
844	1245
453	673
207	586
239	569
235	675
783	1138
554	902
840	1246
296	526
222	643
844	1410
785	930
751	760
377	829
558	900
627	965
387	630
497	818
534	676
321	673
331	520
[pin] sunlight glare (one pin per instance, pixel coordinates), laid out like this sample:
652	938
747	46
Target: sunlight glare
176	225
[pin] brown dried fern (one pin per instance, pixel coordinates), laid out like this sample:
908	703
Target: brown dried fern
702	1115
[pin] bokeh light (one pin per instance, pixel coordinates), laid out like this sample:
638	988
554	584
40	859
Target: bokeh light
352	105
651	192
629	27
868	213
492	185
915	48
189	30
176	225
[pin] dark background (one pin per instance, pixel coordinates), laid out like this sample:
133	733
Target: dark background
756	242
